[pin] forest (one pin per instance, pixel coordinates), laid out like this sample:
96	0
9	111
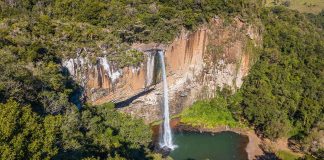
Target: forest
283	96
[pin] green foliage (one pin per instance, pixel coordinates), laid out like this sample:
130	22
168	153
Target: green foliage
103	132
307	157
210	113
311	143
24	135
317	19
128	58
133	21
285	155
307	6
283	95
42	84
95	132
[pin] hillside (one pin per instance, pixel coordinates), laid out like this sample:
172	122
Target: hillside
80	79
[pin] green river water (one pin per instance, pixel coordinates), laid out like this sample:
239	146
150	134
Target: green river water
205	146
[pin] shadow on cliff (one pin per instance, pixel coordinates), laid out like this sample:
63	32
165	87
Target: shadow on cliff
128	101
77	97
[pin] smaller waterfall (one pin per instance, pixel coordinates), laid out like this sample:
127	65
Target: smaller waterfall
166	141
113	75
69	64
149	69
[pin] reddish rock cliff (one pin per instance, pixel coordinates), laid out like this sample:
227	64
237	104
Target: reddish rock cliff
197	63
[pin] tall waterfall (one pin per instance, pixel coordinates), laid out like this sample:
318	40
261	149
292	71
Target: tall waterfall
166	141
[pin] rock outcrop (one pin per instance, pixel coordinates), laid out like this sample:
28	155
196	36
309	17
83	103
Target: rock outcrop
198	63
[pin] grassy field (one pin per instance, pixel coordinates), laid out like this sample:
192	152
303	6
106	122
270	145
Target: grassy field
307	6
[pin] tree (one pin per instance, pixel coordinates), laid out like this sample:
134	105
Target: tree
23	135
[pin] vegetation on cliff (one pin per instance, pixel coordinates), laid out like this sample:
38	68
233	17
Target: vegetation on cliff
212	113
89	27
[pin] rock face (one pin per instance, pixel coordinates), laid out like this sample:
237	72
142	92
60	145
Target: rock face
215	56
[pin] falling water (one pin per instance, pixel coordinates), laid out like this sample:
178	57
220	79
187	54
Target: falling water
113	75
150	70
166	141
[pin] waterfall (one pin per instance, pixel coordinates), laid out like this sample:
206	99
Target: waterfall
166	141
113	75
69	64
79	68
149	69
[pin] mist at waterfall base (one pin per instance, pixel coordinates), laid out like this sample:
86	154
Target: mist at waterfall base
166	138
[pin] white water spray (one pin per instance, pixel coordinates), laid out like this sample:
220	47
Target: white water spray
166	140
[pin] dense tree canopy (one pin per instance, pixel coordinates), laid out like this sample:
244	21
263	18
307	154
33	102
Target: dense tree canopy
94	132
283	95
25	135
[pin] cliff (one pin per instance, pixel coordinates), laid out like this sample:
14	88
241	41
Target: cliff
217	55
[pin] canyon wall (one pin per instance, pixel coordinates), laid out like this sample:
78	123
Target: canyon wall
217	55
